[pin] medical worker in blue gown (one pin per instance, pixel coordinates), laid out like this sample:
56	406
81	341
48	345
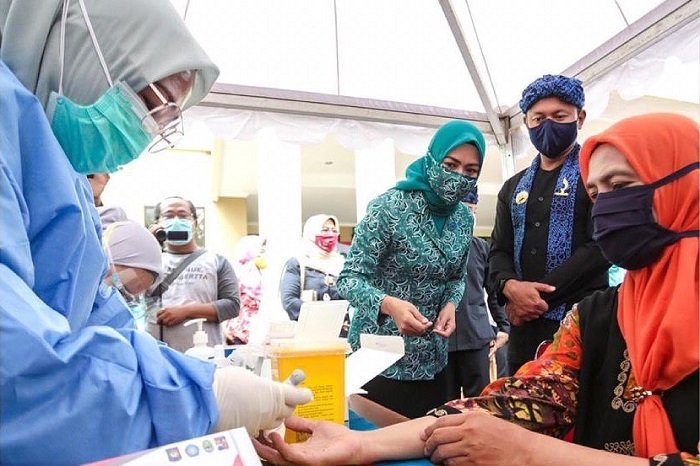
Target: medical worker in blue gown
78	382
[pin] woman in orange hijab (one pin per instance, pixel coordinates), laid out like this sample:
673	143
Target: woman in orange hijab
642	174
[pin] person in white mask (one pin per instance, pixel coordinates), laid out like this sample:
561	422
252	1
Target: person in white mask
85	87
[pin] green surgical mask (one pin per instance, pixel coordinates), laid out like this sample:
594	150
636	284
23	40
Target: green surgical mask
135	303
178	224
138	310
101	137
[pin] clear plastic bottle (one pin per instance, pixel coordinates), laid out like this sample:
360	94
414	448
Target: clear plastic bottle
200	349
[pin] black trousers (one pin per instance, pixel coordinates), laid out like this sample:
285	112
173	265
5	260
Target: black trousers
502	361
525	338
411	398
467	373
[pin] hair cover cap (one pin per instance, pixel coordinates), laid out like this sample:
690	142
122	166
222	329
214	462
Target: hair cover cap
110	215
567	89
132	245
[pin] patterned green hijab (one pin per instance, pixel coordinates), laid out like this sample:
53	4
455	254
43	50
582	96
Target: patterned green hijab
449	136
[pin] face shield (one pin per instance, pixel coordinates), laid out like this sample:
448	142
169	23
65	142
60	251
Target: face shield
164	122
130	282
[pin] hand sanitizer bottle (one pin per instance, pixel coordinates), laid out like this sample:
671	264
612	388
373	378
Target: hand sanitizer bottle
200	349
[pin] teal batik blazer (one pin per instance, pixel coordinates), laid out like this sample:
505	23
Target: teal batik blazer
397	251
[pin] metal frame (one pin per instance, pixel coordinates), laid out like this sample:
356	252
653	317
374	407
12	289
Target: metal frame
331	106
497	125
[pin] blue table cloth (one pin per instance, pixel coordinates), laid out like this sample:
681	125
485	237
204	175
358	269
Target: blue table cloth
360	423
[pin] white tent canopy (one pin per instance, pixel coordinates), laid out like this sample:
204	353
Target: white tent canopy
418	62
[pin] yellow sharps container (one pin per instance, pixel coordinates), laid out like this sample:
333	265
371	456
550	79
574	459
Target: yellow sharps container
323	362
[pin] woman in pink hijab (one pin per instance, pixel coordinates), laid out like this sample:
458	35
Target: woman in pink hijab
248	264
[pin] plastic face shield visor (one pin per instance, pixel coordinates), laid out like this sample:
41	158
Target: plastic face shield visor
165	123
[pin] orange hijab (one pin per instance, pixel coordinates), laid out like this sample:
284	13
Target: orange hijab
658	305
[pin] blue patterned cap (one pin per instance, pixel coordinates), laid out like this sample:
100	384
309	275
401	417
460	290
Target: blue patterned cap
567	89
472	196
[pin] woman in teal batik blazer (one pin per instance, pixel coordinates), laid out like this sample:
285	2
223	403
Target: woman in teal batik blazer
404	273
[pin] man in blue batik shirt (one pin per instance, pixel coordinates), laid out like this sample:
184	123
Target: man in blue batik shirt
543	258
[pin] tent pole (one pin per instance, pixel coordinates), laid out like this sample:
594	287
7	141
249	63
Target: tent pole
458	33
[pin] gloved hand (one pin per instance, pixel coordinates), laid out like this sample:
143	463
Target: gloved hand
246	400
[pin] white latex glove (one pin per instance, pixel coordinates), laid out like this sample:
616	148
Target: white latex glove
246	400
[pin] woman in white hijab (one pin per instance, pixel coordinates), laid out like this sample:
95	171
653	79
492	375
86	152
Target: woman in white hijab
312	274
127	34
114	77
112	82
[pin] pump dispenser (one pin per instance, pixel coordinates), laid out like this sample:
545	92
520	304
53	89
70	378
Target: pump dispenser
200	349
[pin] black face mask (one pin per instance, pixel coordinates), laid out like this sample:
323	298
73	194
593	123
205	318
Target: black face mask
624	225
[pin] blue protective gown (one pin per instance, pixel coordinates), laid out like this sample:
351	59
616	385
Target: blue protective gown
79	383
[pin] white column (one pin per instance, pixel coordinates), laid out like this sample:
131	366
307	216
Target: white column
375	172
279	212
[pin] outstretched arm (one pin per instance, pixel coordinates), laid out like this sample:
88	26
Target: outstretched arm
333	444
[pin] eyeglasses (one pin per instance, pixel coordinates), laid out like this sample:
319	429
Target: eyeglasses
172	215
131	284
165	123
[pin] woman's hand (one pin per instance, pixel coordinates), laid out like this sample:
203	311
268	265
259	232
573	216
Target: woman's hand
407	317
479	438
445	324
472	438
329	444
499	342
